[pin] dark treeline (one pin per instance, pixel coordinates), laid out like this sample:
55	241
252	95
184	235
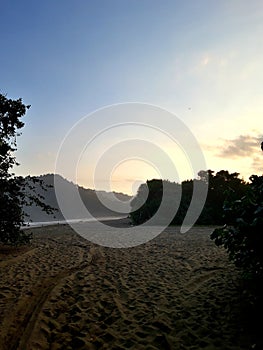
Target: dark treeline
221	186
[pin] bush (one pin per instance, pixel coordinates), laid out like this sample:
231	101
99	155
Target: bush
242	234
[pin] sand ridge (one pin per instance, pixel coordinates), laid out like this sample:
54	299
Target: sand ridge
178	291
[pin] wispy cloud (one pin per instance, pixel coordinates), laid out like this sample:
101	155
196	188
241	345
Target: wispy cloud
258	164
242	146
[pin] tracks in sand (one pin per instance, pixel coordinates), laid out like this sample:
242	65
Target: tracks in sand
31	282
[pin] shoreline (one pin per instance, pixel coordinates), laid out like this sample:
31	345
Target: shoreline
30	225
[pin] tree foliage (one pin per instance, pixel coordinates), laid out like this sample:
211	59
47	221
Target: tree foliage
12	188
242	233
149	198
219	187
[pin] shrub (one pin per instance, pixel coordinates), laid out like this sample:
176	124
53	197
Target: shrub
242	234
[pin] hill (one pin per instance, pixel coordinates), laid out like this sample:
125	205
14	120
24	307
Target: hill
88	196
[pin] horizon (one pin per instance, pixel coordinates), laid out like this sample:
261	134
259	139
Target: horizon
130	194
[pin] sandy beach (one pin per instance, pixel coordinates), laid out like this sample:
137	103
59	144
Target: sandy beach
178	291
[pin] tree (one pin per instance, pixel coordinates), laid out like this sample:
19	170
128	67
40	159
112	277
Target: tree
12	188
242	232
149	198
221	186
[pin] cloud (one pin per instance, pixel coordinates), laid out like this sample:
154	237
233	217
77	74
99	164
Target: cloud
242	146
205	61
258	164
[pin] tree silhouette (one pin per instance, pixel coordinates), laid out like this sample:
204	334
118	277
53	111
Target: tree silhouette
221	186
242	232
12	188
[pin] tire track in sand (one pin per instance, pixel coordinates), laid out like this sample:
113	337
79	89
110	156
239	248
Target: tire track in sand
19	339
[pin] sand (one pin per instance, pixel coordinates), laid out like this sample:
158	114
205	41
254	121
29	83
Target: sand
178	291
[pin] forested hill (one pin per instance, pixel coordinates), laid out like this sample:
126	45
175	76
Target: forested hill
221	187
88	196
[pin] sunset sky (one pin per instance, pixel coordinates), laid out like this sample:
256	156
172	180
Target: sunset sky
199	60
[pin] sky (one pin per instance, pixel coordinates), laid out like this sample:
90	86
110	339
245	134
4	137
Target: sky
199	60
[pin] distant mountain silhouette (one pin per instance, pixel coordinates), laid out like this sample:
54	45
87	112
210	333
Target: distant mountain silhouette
88	196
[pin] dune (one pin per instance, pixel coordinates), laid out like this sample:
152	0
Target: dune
178	291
